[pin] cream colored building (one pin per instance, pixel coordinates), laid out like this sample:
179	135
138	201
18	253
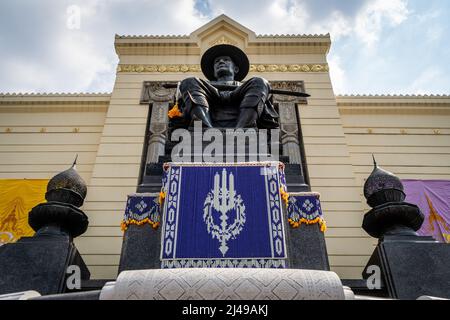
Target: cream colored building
40	133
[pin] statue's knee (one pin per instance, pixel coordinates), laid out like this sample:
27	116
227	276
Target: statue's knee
259	80
189	82
260	83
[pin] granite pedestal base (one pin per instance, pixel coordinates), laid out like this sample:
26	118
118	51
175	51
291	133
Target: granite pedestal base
141	248
413	266
306	248
39	264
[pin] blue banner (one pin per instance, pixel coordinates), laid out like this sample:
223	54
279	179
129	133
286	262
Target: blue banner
304	207
142	208
223	216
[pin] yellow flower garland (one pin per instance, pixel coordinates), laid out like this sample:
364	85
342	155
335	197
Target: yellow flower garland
174	112
162	196
284	195
319	220
124	224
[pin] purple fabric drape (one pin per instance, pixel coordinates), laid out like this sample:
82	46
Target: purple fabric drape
433	198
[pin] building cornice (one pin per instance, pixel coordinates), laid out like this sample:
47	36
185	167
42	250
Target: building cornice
222	26
394	104
392	99
295	37
54	98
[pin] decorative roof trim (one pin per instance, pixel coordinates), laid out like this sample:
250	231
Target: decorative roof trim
401	96
151	36
322	35
55	99
388	101
184	36
54	94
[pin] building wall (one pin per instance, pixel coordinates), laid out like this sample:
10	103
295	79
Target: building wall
40	135
409	136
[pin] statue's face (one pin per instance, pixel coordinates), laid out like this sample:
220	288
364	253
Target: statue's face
224	66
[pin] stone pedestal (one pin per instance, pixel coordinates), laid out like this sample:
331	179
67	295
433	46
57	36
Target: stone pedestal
305	245
39	263
307	248
141	248
413	266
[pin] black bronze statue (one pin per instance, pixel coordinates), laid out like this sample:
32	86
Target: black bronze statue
224	101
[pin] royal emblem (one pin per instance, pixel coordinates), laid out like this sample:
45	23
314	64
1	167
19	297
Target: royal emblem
222	204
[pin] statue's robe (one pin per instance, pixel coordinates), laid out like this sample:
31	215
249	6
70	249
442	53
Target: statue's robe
224	106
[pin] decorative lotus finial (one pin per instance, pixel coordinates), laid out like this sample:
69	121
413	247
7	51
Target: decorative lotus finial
67	187
382	186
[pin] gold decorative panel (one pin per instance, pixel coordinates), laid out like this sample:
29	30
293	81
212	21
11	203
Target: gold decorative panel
184	68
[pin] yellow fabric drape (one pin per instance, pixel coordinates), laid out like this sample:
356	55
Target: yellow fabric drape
17	198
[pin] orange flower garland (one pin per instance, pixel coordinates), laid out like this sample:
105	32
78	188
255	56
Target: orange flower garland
174	112
124	224
319	220
284	195
162	196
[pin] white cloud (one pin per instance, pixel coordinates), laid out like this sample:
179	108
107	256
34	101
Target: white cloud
337	25
371	20
434	33
24	76
337	74
430	77
266	16
428	15
293	16
84	60
81	60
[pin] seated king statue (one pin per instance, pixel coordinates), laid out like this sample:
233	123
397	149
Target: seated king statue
223	101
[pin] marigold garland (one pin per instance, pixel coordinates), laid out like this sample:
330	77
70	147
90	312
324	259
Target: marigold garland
124	224
162	196
174	112
319	220
284	195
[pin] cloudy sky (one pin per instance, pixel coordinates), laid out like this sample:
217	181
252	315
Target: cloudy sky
379	46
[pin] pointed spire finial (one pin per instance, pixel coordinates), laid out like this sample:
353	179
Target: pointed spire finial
374	161
74	165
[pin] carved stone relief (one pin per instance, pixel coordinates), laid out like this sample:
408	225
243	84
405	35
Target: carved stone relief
155	94
288	118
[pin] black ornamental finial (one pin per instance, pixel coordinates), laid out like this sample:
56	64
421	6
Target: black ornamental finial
74	164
